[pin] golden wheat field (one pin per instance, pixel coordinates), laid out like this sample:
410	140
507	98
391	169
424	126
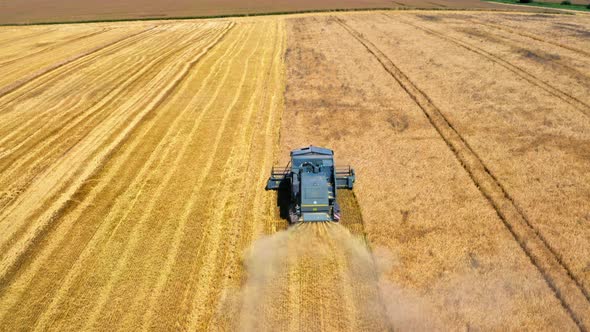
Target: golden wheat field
134	155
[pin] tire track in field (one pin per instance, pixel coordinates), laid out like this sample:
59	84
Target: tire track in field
31	77
512	43
78	126
537	38
11	259
107	191
54	46
564	284
532	79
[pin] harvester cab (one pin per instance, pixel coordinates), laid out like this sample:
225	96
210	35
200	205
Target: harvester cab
312	179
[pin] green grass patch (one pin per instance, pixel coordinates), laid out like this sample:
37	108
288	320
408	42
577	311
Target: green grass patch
553	5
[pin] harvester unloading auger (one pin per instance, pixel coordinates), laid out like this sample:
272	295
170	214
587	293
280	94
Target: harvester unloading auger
312	179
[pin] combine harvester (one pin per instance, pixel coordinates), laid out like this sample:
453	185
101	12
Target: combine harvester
312	178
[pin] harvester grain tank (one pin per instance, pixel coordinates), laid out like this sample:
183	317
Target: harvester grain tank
312	180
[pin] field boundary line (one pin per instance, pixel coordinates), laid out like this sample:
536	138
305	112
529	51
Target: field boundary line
544	10
39	73
565	287
566	97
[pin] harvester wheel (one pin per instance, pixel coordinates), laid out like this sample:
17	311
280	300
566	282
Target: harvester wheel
293	217
336	212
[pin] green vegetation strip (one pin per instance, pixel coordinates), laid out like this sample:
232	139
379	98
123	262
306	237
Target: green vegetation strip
552	5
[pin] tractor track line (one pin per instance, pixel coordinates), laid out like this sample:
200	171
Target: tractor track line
52	47
31	77
93	118
578	104
89	249
565	287
509	41
537	38
363	234
9	265
81	209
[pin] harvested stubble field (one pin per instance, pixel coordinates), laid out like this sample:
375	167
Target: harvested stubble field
40	11
133	158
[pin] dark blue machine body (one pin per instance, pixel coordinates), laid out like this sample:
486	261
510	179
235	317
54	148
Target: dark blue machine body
312	180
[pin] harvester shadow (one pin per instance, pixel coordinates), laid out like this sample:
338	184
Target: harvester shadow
283	202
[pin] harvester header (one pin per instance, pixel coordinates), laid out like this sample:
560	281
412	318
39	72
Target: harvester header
312	179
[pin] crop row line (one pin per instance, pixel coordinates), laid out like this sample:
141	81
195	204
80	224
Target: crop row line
17	84
11	262
53	46
556	275
91	118
537	38
134	189
578	282
566	97
121	166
